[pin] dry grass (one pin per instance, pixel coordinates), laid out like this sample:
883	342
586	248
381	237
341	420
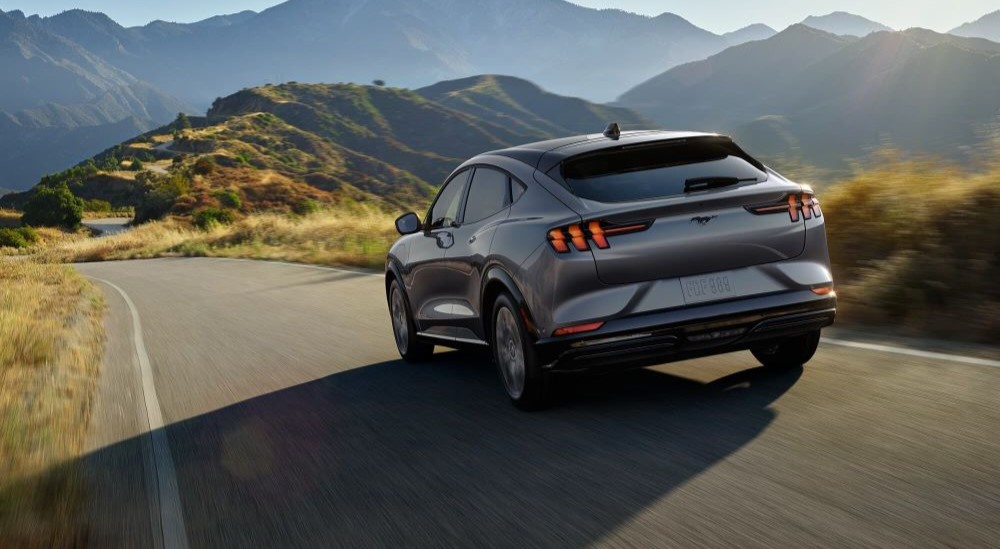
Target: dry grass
52	335
359	237
915	244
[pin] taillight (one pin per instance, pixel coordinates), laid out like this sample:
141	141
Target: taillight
581	235
804	205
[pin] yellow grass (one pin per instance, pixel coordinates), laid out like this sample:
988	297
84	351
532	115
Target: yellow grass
52	340
360	237
914	244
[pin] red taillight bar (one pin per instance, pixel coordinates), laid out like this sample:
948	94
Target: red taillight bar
593	231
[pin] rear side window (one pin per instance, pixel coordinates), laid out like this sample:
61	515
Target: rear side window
487	195
658	170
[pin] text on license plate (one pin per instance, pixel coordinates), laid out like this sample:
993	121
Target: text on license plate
708	288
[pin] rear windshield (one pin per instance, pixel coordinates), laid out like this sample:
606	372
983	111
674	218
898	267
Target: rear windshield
659	169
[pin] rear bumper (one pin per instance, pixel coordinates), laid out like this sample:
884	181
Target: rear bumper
656	338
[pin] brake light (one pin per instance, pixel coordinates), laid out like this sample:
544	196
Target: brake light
558	240
578	329
804	205
594	231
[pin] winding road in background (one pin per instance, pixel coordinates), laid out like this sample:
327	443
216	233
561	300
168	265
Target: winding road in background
281	416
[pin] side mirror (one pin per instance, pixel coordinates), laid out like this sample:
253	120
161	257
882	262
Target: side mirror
408	223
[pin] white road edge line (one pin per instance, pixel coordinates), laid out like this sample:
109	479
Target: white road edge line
174	534
912	352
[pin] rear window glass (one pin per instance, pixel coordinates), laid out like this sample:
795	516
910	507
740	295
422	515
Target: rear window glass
658	170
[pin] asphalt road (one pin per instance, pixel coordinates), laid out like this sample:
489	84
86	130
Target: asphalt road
108	226
289	421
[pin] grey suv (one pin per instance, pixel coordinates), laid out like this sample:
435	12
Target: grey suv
608	251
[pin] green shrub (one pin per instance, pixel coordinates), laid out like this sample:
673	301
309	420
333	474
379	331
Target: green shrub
229	198
136	165
205	165
306	207
161	193
18	237
206	218
53	207
96	205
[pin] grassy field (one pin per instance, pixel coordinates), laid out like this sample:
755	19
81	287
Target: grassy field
52	334
357	238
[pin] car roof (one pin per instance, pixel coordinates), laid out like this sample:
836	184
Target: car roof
543	155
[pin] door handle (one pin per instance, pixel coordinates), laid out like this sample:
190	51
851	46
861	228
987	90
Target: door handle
472	239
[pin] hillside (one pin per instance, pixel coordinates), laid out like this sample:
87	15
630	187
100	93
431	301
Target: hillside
844	24
279	147
987	26
827	99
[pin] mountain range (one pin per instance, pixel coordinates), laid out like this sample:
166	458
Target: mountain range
82	81
987	26
78	82
277	145
827	99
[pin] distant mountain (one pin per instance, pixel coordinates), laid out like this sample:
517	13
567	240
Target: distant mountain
61	102
525	108
750	33
565	47
987	26
844	24
277	145
828	98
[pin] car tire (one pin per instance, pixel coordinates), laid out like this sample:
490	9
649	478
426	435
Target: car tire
788	353
526	383
404	330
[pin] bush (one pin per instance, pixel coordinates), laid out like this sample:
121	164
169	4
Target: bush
136	165
19	237
209	217
306	207
53	207
96	205
229	198
161	193
205	165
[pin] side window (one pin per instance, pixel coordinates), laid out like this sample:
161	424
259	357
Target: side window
516	190
487	195
449	200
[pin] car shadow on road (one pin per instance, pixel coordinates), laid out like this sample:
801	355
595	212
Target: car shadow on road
394	454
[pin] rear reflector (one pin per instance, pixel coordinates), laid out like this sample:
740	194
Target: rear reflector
578	329
826	290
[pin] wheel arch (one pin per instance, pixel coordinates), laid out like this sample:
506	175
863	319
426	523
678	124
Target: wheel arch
496	280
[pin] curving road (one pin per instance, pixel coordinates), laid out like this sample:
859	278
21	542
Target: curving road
288	421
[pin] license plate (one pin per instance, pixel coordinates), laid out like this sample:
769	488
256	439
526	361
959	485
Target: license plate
698	289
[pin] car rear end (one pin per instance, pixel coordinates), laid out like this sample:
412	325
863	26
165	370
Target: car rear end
684	247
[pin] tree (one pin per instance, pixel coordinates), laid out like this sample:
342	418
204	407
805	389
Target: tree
379	83
53	207
183	122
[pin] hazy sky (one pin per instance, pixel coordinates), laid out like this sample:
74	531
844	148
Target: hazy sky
717	16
